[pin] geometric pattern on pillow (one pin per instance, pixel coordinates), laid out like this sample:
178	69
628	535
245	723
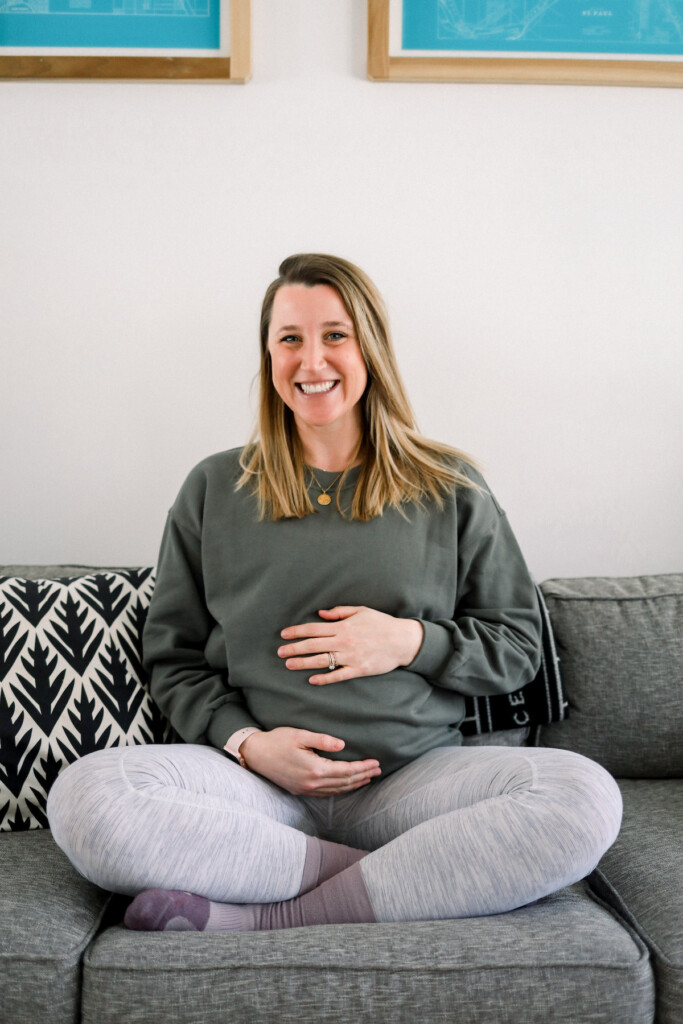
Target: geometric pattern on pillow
540	702
71	680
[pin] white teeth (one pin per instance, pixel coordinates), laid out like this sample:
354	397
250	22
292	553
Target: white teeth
316	389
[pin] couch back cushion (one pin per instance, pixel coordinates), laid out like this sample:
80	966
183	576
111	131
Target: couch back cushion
620	643
71	679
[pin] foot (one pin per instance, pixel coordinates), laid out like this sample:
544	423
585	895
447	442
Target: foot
342	899
160	910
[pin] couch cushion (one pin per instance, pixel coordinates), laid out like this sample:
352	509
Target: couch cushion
71	680
620	643
48	915
642	875
567	959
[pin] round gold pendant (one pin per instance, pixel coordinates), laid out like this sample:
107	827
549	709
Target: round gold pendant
324	499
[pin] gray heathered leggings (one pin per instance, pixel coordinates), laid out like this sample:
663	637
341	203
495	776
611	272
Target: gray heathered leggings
460	832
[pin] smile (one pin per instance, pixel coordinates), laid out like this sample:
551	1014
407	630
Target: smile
317	389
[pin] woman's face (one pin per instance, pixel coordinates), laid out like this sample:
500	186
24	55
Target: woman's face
318	368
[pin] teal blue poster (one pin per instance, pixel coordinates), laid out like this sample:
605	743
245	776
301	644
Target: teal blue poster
139	24
635	27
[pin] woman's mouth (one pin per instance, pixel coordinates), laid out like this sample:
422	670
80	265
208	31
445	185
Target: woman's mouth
319	388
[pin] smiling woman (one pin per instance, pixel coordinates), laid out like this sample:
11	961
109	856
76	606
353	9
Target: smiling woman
327	647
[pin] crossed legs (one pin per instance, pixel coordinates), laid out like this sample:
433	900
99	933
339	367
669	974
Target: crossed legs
460	832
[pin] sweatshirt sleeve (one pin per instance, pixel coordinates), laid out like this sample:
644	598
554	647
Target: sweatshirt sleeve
493	643
190	688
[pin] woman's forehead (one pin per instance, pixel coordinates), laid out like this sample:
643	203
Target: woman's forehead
297	304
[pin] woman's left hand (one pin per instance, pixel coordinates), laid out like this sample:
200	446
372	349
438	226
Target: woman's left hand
365	642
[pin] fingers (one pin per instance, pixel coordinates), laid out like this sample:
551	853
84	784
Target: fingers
329	778
295	760
314	641
340	789
341	611
302	647
345	770
320	661
339	675
320	741
307	656
334	769
306	629
343	779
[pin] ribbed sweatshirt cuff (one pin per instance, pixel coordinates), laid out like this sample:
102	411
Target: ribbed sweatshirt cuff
437	647
225	721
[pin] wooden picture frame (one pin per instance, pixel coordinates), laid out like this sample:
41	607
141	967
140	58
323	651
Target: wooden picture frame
229	62
389	60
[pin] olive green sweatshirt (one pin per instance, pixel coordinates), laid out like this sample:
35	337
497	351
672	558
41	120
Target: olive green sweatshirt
227	584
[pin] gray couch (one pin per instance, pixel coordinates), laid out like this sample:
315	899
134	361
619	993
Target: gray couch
608	949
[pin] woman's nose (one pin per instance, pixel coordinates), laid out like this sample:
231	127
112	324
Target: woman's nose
312	354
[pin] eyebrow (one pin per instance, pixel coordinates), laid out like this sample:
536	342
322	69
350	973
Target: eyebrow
326	323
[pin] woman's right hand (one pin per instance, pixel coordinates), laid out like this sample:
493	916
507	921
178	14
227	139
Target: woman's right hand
289	758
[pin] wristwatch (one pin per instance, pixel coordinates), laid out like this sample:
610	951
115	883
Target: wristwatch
236	740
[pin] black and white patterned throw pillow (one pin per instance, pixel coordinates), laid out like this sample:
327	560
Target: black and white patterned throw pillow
71	680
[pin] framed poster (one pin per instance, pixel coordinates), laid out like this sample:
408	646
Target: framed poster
578	42
174	40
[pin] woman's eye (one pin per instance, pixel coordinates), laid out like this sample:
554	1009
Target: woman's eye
290	339
335	336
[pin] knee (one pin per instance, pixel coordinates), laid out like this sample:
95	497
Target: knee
588	795
604	795
64	798
79	810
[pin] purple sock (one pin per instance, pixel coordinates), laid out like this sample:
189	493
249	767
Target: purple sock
342	899
324	860
160	910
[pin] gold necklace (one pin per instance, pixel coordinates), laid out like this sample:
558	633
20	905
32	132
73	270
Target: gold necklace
324	498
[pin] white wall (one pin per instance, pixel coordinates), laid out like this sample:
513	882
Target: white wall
528	240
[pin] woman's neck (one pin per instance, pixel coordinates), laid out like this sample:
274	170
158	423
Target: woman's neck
331	454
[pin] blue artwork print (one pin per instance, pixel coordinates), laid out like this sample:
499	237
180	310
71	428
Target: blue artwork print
164	24
563	26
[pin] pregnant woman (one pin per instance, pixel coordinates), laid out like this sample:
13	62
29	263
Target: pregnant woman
326	597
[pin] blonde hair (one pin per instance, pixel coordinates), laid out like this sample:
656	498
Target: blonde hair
399	465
